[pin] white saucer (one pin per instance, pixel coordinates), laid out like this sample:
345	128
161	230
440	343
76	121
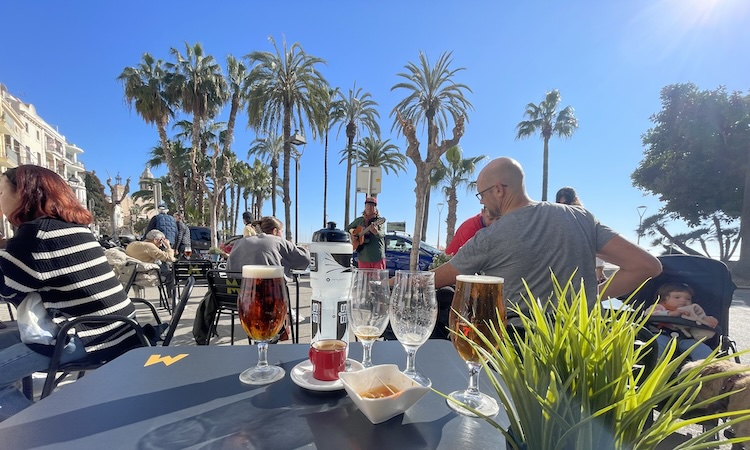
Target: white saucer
302	376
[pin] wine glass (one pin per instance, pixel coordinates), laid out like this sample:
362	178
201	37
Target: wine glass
413	315
368	308
187	251
478	301
262	307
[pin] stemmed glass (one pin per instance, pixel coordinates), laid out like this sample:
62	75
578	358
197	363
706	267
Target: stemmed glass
413	315
478	301
262	307
368	308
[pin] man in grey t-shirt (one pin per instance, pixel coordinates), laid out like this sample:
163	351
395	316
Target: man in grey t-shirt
532	238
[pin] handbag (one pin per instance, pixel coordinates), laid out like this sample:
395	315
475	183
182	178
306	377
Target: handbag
34	322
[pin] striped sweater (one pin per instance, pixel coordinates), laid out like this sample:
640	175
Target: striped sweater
65	264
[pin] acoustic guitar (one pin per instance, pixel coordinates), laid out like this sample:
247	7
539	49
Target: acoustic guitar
359	234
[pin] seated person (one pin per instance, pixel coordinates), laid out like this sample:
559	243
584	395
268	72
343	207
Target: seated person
676	300
53	258
155	249
468	229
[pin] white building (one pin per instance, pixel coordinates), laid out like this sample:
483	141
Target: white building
25	138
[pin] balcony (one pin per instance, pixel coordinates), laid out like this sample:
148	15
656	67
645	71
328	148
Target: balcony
8	157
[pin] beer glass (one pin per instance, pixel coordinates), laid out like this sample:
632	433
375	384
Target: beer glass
413	314
262	307
368	308
478	301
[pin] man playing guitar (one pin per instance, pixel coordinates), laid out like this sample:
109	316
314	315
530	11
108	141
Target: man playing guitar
368	236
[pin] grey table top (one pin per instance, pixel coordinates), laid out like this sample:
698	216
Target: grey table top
197	401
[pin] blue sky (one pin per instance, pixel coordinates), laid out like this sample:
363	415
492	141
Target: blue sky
608	59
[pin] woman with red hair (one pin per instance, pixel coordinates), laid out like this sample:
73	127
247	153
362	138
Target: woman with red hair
54	256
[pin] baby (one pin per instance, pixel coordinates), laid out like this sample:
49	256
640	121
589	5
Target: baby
676	300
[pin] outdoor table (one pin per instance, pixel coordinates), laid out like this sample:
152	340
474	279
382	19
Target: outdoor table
191	397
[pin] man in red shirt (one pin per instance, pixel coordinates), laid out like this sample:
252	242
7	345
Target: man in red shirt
468	229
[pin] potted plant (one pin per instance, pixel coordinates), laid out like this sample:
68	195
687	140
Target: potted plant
570	380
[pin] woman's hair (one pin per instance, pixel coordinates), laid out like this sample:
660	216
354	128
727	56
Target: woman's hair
268	223
247	217
668	288
568	196
41	193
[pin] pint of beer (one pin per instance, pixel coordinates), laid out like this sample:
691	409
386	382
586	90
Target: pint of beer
262	302
479	301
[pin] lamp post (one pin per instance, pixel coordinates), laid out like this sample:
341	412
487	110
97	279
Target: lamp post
440	210
296	139
641	211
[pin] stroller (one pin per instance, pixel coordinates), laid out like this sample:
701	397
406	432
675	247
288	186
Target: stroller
713	286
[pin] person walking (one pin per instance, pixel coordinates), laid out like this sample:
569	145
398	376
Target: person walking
164	223
368	236
183	235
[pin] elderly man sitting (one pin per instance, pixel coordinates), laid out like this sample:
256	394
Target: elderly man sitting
155	248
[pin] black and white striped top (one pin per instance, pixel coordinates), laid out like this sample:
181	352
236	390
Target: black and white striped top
65	264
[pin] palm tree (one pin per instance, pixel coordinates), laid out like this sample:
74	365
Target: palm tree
545	119
269	150
285	89
333	112
260	186
458	170
357	110
199	85
432	96
146	88
376	153
181	162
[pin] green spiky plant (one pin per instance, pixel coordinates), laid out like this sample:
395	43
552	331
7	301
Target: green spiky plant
568	382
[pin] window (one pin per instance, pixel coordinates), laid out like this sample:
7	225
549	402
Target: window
27	127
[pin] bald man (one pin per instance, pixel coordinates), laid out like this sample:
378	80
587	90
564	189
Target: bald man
530	238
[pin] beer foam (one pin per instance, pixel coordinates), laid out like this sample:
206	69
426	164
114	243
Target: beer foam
262	271
481	279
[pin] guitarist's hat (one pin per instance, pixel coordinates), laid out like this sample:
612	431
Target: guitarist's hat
372	200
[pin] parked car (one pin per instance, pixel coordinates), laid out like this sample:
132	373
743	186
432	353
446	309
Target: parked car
227	245
398	252
200	241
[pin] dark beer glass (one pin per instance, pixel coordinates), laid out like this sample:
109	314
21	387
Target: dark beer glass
478	301
262	307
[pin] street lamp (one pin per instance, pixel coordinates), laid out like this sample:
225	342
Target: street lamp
440	210
641	211
296	139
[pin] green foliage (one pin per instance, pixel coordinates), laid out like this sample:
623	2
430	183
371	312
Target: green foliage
439	259
696	153
571	381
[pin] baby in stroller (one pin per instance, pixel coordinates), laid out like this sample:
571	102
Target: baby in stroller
676	300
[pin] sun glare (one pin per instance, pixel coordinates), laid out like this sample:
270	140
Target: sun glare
707	12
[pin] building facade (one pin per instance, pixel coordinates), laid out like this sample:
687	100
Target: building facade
25	138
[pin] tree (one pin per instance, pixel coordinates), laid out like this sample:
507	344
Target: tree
715	230
269	149
432	96
458	170
696	160
333	112
373	152
285	89
355	111
98	199
545	119
146	88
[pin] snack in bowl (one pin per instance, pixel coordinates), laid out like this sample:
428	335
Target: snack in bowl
382	392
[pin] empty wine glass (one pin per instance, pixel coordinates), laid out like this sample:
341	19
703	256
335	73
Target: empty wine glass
478	301
413	315
262	306
368	308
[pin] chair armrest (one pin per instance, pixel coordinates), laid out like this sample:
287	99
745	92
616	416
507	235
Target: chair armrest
149	305
62	334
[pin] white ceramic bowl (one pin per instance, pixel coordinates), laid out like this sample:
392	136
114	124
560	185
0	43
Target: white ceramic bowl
381	409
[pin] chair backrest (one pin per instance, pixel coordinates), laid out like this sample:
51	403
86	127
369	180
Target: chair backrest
177	313
127	275
224	287
196	268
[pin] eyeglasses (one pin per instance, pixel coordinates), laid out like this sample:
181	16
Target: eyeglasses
480	195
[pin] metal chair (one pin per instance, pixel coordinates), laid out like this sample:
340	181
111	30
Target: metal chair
182	269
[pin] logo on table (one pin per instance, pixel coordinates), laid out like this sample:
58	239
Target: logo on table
167	360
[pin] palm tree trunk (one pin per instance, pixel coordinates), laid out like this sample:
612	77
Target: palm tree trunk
174	174
450	219
545	169
347	200
274	183
426	218
325	181
287	128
